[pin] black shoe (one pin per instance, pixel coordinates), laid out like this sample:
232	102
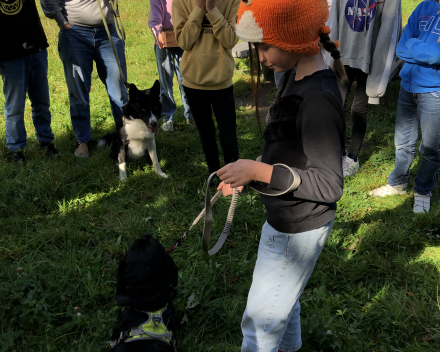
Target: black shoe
49	148
17	157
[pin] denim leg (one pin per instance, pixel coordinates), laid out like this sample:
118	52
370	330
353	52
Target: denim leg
15	77
76	49
38	92
223	104
177	55
165	68
200	104
108	69
284	264
405	137
428	108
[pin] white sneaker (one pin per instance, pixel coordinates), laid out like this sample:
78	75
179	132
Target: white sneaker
349	166
388	190
422	203
168	126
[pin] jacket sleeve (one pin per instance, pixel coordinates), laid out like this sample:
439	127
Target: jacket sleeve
223	27
52	10
424	53
156	16
384	51
411	31
187	24
321	128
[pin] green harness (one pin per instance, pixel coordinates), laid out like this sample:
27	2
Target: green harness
152	329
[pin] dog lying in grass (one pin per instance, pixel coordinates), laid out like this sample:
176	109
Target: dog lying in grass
135	135
146	281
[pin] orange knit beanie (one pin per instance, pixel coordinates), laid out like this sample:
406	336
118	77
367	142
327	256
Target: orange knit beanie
292	25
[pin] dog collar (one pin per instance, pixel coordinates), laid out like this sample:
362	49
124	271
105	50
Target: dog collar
153	328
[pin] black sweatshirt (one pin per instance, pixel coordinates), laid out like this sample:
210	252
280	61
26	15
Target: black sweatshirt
306	132
21	33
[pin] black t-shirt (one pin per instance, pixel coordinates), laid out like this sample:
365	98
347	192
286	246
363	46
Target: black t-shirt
21	32
307	133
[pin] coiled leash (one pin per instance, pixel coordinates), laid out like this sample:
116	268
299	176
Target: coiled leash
207	213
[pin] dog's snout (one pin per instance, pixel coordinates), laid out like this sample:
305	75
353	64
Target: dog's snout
152	121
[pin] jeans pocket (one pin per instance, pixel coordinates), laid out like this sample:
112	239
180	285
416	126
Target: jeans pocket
268	237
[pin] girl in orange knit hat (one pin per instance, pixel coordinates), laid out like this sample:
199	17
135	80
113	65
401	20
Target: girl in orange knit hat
300	170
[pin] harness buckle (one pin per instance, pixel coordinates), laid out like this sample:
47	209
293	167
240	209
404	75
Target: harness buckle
157	319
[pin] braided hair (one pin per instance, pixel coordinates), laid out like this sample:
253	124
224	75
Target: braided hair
332	48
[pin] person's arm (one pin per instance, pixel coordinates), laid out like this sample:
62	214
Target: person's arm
223	27
155	20
52	10
425	53
187	28
384	51
411	31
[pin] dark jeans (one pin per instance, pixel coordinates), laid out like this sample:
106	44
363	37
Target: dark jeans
359	108
202	103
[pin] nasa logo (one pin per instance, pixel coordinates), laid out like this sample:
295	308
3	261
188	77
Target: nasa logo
360	13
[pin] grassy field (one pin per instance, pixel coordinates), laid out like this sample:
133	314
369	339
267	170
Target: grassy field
67	221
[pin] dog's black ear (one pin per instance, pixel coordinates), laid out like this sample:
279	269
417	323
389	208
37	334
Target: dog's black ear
133	92
155	89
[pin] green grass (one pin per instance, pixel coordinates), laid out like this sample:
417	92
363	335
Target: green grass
67	221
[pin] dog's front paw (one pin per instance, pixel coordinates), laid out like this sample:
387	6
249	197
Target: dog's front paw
163	174
123	178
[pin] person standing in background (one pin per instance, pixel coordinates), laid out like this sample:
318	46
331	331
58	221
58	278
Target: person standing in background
83	39
369	31
23	67
418	105
205	30
167	60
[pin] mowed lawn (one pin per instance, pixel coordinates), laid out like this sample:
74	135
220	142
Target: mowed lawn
66	222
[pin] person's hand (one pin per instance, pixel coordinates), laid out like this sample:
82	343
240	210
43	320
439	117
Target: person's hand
227	189
66	26
201	4
210	4
237	174
160	40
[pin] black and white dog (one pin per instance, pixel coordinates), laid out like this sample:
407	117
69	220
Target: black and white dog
146	282
136	132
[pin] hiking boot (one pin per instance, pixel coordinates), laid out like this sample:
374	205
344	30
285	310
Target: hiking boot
82	151
16	157
48	148
168	126
389	190
422	203
349	166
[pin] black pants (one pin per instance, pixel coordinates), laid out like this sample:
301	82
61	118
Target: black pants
359	108
202	103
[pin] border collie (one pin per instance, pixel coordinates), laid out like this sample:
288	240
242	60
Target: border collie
135	134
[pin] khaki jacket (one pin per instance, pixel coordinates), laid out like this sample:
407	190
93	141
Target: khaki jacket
207	39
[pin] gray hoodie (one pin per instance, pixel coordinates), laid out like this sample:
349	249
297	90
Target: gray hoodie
77	12
368	32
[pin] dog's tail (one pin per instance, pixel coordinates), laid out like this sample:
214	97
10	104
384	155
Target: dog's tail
108	139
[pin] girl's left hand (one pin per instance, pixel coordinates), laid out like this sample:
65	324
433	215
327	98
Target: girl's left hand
227	189
237	174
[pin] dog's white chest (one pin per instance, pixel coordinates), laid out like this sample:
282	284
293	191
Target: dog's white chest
138	135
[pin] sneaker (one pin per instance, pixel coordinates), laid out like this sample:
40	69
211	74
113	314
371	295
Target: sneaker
190	122
168	126
17	157
82	150
388	190
48	148
422	203
349	166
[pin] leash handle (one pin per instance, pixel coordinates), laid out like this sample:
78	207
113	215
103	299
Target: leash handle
208	219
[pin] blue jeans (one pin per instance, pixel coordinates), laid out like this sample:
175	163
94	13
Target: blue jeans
277	76
414	110
27	74
168	61
78	48
284	264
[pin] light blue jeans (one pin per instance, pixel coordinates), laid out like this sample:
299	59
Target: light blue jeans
284	264
20	76
414	110
168	62
78	48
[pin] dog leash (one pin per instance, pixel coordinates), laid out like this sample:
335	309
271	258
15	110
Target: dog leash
207	213
120	31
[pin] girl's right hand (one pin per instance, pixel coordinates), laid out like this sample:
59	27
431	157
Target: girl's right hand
227	189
